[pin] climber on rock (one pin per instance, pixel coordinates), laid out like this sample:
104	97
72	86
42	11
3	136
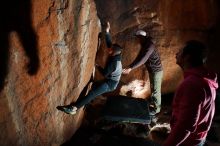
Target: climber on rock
112	73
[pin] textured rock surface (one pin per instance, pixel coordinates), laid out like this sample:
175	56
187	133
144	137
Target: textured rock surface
58	39
61	35
170	23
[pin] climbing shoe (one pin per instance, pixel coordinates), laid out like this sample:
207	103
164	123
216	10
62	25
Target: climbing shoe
68	109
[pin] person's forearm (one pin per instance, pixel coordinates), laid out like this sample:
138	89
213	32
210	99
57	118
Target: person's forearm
184	125
176	137
137	64
142	60
108	40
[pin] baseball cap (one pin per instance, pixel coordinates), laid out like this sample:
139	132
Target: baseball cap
141	33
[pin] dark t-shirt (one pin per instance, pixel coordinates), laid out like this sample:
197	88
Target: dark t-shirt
113	68
149	56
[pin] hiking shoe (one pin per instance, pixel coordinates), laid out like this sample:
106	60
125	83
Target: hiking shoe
153	113
68	109
153	110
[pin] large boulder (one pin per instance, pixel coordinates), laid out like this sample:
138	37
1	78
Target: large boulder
47	56
48	50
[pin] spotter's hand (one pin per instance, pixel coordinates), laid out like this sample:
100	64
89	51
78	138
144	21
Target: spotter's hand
126	70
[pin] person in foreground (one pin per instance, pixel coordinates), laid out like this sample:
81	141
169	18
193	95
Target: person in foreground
149	56
194	101
111	72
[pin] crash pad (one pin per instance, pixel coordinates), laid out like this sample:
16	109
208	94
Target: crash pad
126	109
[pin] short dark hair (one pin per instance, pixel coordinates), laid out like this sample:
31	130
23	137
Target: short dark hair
117	48
197	52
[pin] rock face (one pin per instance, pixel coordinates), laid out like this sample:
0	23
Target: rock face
170	23
47	54
48	50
